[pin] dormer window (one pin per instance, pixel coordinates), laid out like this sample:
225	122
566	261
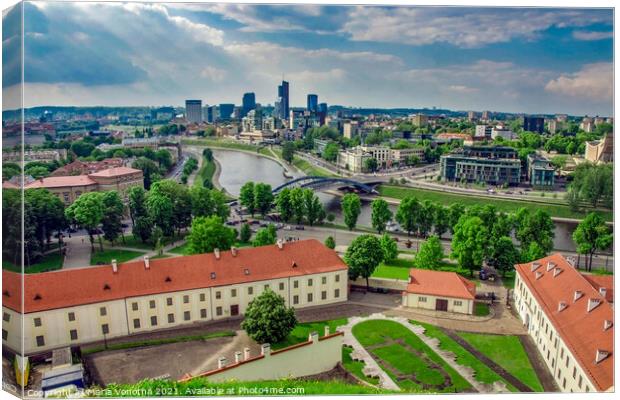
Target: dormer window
6	293
168	279
578	295
557	271
37	296
601	355
538	275
106	287
294	264
212	275
593	303
246	271
607	324
550	266
562	305
535	266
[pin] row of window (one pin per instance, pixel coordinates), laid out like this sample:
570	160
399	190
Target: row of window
187	316
456	303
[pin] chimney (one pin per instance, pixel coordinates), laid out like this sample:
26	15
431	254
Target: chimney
593	303
221	362
550	266
607	324
313	336
233	251
562	305
535	266
601	355
280	244
557	271
578	295
237	357
603	291
146	263
217	253
114	266
326	330
246	353
265	349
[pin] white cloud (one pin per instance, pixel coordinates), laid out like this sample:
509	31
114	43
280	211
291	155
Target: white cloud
593	81
592	35
213	74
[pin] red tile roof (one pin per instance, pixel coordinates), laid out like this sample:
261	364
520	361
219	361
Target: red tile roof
61	181
582	331
439	283
117	171
602	281
72	287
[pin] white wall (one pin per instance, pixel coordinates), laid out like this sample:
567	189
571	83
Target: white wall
427	302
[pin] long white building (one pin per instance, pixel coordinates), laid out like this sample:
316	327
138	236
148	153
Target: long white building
570	318
82	305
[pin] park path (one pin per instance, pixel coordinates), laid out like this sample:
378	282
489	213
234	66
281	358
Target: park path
77	253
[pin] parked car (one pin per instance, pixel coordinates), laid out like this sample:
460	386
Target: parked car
288	228
300	227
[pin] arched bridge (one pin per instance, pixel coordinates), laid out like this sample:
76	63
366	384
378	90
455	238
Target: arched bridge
320	182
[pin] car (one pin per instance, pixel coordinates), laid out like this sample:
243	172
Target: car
254	222
230	223
264	224
288	228
508	192
300	227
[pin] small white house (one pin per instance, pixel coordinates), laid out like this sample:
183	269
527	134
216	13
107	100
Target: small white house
440	291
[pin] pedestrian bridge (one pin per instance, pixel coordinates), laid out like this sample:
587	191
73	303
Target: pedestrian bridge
322	182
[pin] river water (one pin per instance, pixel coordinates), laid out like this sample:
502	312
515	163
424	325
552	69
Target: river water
239	167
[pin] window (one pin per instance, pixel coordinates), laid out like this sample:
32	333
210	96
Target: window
105	329
171	318
187	316
587	388
202	297
324	280
295	299
281	286
422	299
6	317
5	334
458	303
562	353
152	303
203	313
186	299
266	287
40	341
567	360
337	278
218	311
134	306
37	322
336	293
250	290
169	301
295	284
309	282
136	323
574	372
580	381
309	297
73	334
323	295
233	292
103	311
564	383
218	295
154	320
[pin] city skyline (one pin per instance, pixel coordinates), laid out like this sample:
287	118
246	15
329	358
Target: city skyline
511	60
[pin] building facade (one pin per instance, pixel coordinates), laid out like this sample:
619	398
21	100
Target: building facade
193	111
541	173
570	319
488	164
110	301
439	291
600	151
283	101
248	103
534	124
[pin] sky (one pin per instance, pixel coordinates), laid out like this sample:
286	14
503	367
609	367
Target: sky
530	60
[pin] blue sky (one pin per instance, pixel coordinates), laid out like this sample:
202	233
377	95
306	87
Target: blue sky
543	60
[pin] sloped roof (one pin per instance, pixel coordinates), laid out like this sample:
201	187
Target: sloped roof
116	171
582	331
439	283
72	287
61	181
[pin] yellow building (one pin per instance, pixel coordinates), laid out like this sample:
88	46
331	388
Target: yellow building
76	306
439	291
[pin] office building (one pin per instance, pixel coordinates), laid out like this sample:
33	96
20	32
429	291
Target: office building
213	114
570	318
253	121
123	299
248	103
226	111
283	101
534	124
193	111
541	173
495	165
350	129
322	113
313	103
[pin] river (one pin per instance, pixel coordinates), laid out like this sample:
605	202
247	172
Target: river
239	167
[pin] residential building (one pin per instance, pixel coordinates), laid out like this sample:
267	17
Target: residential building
193	111
283	101
553	125
419	120
119	300
541	173
350	129
248	103
483	131
486	116
453	136
571	321
400	156
439	291
561	117
34	155
496	165
534	124
253	121
587	125
503	132
471	116
382	154
313	103
599	151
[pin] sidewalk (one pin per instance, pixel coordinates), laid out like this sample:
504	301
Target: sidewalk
77	251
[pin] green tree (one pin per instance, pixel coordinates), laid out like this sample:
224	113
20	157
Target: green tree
441	218
593	184
208	234
87	211
388	247
503	255
469	243
284	205
363	256
297	204
37	172
206	202
408	214
426	217
246	197
288	151
149	170
351	208
532	252
312	206
245	233
142	228
137	202
160	212
330	153
267	319
330	242
10	170
371	164
456	210
263	198
380	215
111	222
430	254
265	236
592	235
537	227
164	158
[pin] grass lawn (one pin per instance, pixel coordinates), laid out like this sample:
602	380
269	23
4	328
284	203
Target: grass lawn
281	387
130	241
160	256
48	262
399	269
508	352
108	255
399	357
205	173
156	342
356	367
483	373
481	309
184	248
554	210
301	331
310	169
